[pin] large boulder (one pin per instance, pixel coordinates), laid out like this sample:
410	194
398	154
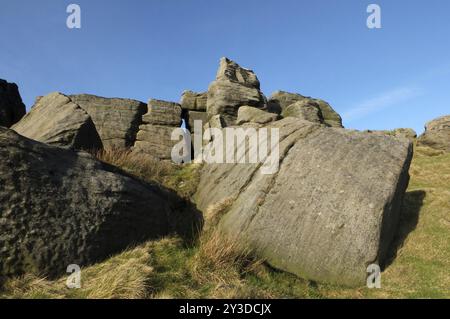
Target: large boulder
55	119
330	210
193	101
59	207
234	87
116	120
12	108
154	136
280	101
437	134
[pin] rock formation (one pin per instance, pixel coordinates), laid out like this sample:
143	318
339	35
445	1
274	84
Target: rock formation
154	136
248	114
116	120
59	207
11	107
329	212
399	132
56	120
280	101
304	110
234	87
437	134
193	101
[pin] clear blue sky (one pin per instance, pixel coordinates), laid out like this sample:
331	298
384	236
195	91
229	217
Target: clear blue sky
398	76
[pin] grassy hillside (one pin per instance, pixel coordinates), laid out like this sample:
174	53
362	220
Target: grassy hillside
213	268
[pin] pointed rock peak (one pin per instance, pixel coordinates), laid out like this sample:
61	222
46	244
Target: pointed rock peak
231	71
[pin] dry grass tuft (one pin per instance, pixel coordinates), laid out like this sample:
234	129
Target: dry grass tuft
121	277
138	164
181	178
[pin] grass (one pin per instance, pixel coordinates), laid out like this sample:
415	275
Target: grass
214	267
181	178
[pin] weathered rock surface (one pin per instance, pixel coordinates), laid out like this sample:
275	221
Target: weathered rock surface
163	113
116	120
56	120
330	116
329	212
59	207
281	100
154	136
399	132
12	108
193	101
305	110
234	87
437	134
248	114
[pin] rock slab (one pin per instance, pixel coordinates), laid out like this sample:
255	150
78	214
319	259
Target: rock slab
55	119
154	136
116	120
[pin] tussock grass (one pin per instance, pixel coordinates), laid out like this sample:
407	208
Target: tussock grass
217	267
121	277
181	178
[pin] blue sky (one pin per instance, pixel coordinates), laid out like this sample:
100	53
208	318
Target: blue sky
397	76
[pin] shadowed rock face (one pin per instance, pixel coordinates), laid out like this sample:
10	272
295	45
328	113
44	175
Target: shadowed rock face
437	134
329	212
116	120
59	207
55	119
234	87
11	107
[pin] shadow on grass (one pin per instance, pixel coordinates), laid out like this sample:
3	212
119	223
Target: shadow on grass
409	218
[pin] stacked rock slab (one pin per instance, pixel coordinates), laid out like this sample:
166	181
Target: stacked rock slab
305	110
330	210
234	87
55	119
59	207
248	114
437	134
154	136
116	120
12	108
280	101
194	108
